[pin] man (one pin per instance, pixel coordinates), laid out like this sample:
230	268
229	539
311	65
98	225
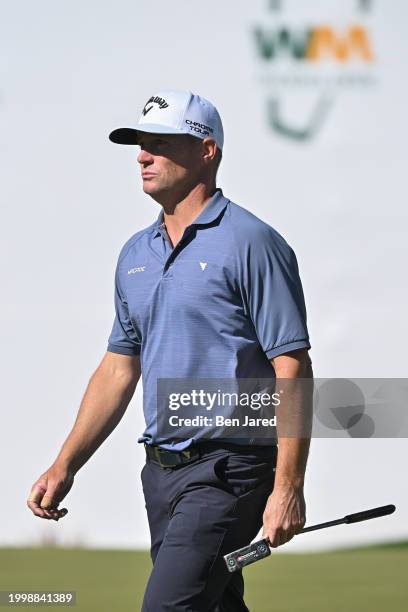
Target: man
208	291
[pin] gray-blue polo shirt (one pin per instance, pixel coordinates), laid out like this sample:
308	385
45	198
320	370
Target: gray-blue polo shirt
220	304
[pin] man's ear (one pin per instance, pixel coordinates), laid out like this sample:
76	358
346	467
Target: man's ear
209	150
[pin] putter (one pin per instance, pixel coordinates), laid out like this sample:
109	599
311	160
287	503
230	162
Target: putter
261	548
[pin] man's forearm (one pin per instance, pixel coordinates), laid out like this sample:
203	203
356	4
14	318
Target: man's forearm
106	398
294	420
291	463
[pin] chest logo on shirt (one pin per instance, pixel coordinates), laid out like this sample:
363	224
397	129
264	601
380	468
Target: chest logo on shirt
134	270
203	265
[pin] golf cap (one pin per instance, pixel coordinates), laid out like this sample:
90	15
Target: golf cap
174	112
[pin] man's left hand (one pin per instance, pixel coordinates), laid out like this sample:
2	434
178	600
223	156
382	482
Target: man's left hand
284	515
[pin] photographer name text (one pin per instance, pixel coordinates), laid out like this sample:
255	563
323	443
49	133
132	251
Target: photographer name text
221	421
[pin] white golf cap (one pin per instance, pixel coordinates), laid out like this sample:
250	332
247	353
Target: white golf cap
175	112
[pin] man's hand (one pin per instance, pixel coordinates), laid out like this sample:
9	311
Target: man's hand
284	515
49	490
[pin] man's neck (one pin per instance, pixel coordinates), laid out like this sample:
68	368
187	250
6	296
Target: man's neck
179	215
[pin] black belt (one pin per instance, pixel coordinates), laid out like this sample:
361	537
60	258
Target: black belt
172	458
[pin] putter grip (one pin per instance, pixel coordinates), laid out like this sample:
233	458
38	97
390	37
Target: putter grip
369	514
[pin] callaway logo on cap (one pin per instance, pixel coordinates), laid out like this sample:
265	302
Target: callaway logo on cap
175	112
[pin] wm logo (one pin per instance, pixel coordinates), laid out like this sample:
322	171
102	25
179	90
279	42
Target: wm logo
314	44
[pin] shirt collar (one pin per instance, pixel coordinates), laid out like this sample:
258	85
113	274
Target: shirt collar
212	210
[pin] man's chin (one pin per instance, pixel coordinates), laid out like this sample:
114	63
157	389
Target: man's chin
150	187
154	191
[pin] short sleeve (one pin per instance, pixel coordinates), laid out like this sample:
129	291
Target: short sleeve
123	338
274	295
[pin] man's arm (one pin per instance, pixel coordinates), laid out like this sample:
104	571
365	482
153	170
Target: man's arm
106	398
285	512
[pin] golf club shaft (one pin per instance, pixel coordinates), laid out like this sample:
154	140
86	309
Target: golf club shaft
365	515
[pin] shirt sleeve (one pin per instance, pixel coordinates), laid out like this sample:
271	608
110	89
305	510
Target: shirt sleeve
274	295
123	338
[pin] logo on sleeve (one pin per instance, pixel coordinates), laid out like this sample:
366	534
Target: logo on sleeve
203	265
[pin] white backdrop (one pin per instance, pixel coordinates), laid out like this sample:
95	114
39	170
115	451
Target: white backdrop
70	72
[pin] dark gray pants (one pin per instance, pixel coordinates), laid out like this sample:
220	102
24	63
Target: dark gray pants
197	513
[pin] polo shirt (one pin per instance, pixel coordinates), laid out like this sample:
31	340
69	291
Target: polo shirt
220	304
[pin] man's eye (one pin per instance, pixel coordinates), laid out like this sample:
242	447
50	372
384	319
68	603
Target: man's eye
157	143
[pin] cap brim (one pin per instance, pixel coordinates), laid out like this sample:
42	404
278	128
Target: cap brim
130	136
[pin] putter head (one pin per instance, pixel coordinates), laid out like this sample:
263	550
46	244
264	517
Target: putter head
247	555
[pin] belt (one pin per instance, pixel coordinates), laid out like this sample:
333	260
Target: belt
171	458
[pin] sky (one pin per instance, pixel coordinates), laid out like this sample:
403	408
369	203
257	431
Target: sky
70	72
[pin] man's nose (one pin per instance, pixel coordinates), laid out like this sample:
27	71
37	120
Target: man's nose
144	157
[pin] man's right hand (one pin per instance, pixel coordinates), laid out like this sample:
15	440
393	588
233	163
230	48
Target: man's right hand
49	490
